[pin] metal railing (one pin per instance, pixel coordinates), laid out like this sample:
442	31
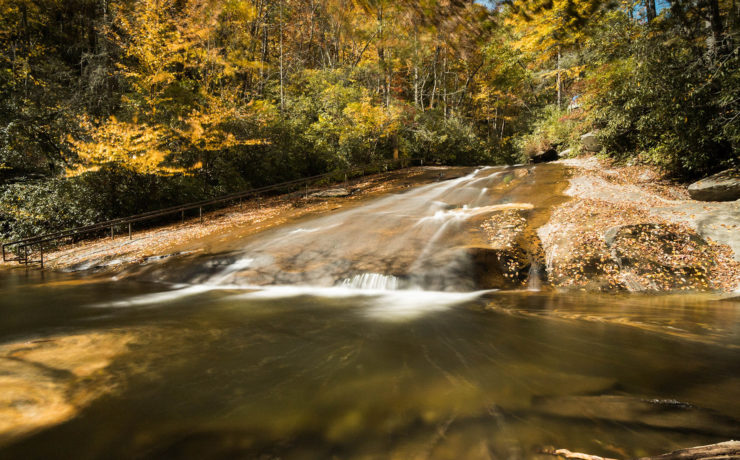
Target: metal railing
22	255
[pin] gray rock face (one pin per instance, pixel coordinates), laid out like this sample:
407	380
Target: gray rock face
565	153
591	142
724	186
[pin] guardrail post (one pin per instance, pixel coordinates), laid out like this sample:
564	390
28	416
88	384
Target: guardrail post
111	232
200	214
182	216
129	232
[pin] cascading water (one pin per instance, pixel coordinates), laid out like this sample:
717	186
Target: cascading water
405	244
414	240
374	281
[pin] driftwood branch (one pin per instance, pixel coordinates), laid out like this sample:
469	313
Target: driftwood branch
724	450
565	453
729	450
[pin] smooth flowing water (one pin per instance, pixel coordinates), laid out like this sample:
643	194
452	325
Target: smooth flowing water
359	335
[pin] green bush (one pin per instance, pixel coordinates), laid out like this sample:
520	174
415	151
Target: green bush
663	99
556	128
32	208
445	140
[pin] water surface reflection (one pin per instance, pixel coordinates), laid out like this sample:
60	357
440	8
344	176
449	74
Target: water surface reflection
230	373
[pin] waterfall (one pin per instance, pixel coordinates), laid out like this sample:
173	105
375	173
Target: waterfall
372	281
415	240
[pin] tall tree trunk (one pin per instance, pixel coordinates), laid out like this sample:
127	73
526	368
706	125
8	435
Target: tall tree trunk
444	83
381	57
650	10
715	20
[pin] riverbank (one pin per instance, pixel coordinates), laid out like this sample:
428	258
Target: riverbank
627	228
227	224
596	226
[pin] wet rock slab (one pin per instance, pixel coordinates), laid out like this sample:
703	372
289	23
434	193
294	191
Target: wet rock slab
724	186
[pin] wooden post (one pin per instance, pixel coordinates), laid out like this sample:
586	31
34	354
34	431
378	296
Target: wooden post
111	232
4	254
25	252
129	231
200	214
41	249
182	216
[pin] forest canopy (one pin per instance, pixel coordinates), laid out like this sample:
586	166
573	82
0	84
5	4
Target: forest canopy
112	107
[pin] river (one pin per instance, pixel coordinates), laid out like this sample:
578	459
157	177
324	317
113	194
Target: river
360	335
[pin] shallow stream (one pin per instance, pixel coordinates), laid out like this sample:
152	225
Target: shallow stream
286	347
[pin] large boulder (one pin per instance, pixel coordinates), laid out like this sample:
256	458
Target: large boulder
590	142
724	186
544	155
655	257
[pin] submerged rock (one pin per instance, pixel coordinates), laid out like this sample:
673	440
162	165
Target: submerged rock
659	413
724	186
47	381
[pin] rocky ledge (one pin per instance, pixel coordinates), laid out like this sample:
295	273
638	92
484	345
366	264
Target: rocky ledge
625	228
724	186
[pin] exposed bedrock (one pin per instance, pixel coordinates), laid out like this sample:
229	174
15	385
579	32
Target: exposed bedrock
635	257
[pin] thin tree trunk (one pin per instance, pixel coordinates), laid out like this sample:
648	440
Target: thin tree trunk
434	86
560	95
381	55
444	83
416	68
282	93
